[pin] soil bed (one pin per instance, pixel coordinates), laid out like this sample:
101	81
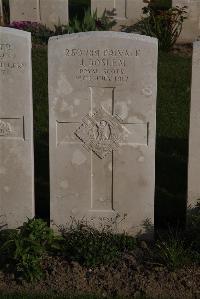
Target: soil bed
129	277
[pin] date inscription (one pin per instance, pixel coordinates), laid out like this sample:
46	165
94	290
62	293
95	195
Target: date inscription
102	65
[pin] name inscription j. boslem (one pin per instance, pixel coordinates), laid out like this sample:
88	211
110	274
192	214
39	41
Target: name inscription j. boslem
102	65
7	59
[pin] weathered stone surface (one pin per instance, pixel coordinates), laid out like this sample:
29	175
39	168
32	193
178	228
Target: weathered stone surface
134	10
191	26
194	140
16	128
122	9
47	12
54	12
102	101
25	10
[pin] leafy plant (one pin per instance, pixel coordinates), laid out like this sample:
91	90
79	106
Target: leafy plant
89	246
193	228
40	33
90	22
22	250
164	24
172	252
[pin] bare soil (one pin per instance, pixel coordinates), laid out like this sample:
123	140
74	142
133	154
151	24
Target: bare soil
129	277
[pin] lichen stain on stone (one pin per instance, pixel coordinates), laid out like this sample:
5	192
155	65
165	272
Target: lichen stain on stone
101	199
122	111
78	158
147	91
110	166
2	170
64	106
142	182
6	188
77	102
64	86
141	159
64	184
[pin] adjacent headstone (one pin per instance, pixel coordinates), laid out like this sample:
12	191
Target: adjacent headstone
121	9
54	12
116	8
102	101
191	26
134	10
47	12
194	140
16	128
25	10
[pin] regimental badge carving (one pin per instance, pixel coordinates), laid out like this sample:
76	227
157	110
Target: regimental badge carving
100	132
5	128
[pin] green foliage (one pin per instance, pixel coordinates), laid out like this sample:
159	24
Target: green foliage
38	231
22	250
165	24
172	252
193	228
90	22
40	33
91	247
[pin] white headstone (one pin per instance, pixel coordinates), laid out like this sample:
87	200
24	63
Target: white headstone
134	10
47	12
102	101
194	140
122	9
191	26
54	12
16	128
25	10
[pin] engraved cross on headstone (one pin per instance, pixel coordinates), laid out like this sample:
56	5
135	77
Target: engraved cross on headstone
101	132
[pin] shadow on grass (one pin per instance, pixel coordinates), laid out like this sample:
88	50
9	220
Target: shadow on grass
171	182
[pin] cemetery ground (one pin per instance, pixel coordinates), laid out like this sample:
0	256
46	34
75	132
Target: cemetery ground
87	262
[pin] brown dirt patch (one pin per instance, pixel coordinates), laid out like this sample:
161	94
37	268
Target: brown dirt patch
128	277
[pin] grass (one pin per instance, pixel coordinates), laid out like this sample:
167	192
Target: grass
174	79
